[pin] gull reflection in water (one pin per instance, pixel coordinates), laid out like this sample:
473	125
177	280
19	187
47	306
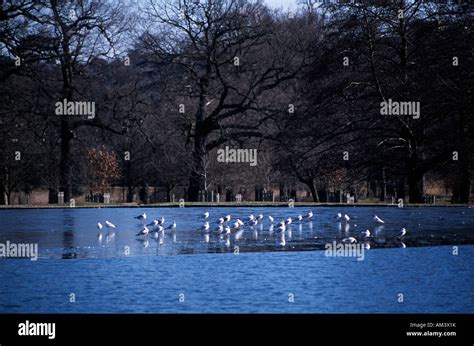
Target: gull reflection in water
378	230
109	237
402	245
280	239
225	238
238	234
255	234
145	242
161	239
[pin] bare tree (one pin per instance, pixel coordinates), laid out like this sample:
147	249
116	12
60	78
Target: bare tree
76	33
230	54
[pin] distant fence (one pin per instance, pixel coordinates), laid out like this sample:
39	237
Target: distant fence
213	196
99	198
95	198
426	199
429	199
262	196
206	196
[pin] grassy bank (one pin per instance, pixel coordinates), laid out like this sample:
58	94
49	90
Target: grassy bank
226	205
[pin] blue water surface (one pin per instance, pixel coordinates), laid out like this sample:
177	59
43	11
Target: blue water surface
187	272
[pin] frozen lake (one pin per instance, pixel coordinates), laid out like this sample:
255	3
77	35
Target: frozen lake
248	271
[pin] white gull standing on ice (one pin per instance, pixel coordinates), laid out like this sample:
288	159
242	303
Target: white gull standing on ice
109	224
349	240
141	216
402	233
144	231
378	220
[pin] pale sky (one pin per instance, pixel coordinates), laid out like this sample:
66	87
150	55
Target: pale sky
281	3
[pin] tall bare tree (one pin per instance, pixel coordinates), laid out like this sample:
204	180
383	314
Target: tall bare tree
230	53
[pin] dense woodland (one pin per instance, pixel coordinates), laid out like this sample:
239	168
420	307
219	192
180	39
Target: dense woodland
174	81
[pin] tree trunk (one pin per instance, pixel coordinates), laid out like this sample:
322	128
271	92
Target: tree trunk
465	179
196	180
3	191
415	187
383	190
169	189
130	194
7	187
465	186
65	183
314	192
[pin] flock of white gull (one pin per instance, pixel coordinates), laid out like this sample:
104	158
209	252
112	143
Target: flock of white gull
226	227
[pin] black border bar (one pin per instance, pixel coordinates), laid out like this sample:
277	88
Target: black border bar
192	329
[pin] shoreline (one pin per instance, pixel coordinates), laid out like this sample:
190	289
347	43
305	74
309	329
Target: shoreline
228	204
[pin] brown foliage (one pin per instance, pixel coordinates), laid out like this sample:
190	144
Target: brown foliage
103	167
